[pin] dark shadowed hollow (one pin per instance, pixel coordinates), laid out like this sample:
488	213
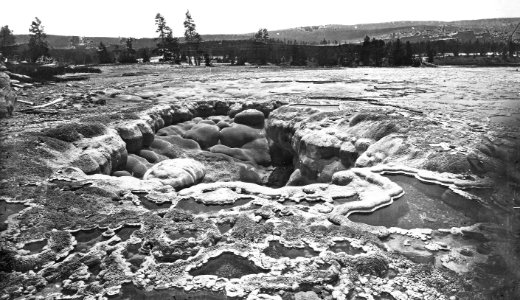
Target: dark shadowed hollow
228	265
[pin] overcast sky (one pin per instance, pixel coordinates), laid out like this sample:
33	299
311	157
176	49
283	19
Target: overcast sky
119	18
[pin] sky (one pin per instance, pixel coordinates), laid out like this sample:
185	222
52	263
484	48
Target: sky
119	18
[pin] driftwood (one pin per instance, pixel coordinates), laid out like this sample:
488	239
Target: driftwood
20	77
25	102
41	109
49	103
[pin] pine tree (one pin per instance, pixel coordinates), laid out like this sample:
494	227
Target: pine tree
190	33
192	37
262	35
128	54
103	54
366	51
37	42
430	52
165	36
6	39
74	41
408	57
397	53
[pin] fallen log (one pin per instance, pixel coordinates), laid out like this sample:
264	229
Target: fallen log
25	102
50	103
20	77
40	109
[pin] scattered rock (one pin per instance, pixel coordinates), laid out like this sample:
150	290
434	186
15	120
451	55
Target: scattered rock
250	117
204	134
238	135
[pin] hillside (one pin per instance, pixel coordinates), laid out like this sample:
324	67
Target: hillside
495	29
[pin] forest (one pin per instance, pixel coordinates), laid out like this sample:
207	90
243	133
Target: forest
260	49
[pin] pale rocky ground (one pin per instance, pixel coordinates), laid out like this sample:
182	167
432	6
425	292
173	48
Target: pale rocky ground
455	127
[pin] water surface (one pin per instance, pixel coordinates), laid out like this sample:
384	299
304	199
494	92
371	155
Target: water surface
278	250
425	205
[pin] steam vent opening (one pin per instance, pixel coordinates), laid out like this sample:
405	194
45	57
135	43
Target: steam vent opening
261	183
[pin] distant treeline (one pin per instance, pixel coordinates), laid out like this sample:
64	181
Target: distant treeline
372	52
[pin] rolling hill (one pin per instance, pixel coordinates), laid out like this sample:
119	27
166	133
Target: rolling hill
497	29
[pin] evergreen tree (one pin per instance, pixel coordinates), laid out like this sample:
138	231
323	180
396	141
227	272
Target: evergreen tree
162	29
190	32
262	35
298	56
511	47
456	48
74	41
378	51
408	56
144	54
103	54
37	41
129	44
366	51
6	39
430	52
192	37
397	53
128	54
168	46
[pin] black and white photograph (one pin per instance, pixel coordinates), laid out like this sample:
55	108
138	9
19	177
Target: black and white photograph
260	150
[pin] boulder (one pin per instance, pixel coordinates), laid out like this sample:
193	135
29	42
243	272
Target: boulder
255	152
167	118
147	133
348	154
162	147
178	129
132	136
219	167
7	94
170	130
176	140
197	120
204	134
86	163
233	152
151	156
209	122
259	151
181	115
250	117
249	174
217	119
121	173
137	166
310	295
223	124
238	135
178	173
